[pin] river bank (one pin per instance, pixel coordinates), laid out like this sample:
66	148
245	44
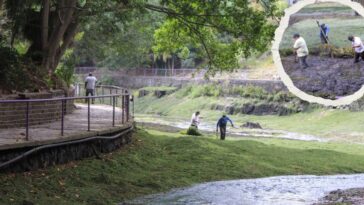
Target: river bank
160	161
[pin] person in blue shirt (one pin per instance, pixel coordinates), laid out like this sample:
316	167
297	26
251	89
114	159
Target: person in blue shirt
324	33
222	125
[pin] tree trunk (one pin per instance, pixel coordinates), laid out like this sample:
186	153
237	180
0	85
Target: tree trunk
61	36
45	24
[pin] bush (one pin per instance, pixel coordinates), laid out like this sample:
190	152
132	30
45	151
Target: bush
193	131
13	74
255	92
324	50
209	90
66	69
286	52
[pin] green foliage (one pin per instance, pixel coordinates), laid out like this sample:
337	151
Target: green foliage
13	74
21	47
163	88
118	44
217	90
209	90
192	130
324	50
222	39
66	69
250	92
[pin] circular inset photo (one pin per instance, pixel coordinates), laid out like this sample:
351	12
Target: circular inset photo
320	53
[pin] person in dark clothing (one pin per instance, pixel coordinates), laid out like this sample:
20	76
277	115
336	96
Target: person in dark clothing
324	33
222	125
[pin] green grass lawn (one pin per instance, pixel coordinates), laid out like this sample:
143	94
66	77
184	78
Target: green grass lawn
158	161
326	8
340	29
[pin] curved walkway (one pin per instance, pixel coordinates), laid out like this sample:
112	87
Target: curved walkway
75	127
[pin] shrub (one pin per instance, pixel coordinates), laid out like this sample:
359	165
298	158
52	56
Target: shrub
13	74
66	69
324	50
193	131
209	90
255	92
286	52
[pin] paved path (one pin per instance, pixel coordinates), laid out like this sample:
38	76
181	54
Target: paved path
75	127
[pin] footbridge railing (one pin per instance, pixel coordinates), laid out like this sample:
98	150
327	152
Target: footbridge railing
45	119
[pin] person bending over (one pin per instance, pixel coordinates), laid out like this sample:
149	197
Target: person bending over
358	47
221	123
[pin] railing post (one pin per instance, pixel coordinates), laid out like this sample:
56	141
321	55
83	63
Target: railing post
88	114
27	122
110	97
123	108
103	93
127	108
113	111
62	117
117	92
133	106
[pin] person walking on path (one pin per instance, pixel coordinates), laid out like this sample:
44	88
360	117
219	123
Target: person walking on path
358	47
301	50
324	33
221	123
90	84
195	119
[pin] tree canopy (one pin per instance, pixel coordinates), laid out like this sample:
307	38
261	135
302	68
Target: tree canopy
220	31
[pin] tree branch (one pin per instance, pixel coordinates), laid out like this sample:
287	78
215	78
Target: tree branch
200	36
67	41
45	24
173	12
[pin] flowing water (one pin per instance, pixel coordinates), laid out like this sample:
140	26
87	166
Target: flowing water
235	132
280	190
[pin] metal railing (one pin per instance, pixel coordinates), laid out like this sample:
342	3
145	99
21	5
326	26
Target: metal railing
146	72
101	90
44	118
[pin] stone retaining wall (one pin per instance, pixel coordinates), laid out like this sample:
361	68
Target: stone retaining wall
139	82
62	153
14	114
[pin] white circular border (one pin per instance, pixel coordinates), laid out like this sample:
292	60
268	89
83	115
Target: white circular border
278	63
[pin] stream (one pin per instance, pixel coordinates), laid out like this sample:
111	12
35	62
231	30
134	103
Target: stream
280	190
234	132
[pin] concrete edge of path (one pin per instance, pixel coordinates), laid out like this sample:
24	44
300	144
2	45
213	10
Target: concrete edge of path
71	137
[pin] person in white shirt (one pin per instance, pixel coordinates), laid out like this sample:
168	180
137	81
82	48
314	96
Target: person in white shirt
90	84
195	119
358	46
301	50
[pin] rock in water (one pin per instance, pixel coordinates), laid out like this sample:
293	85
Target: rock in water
252	125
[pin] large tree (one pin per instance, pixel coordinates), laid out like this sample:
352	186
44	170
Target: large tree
223	29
